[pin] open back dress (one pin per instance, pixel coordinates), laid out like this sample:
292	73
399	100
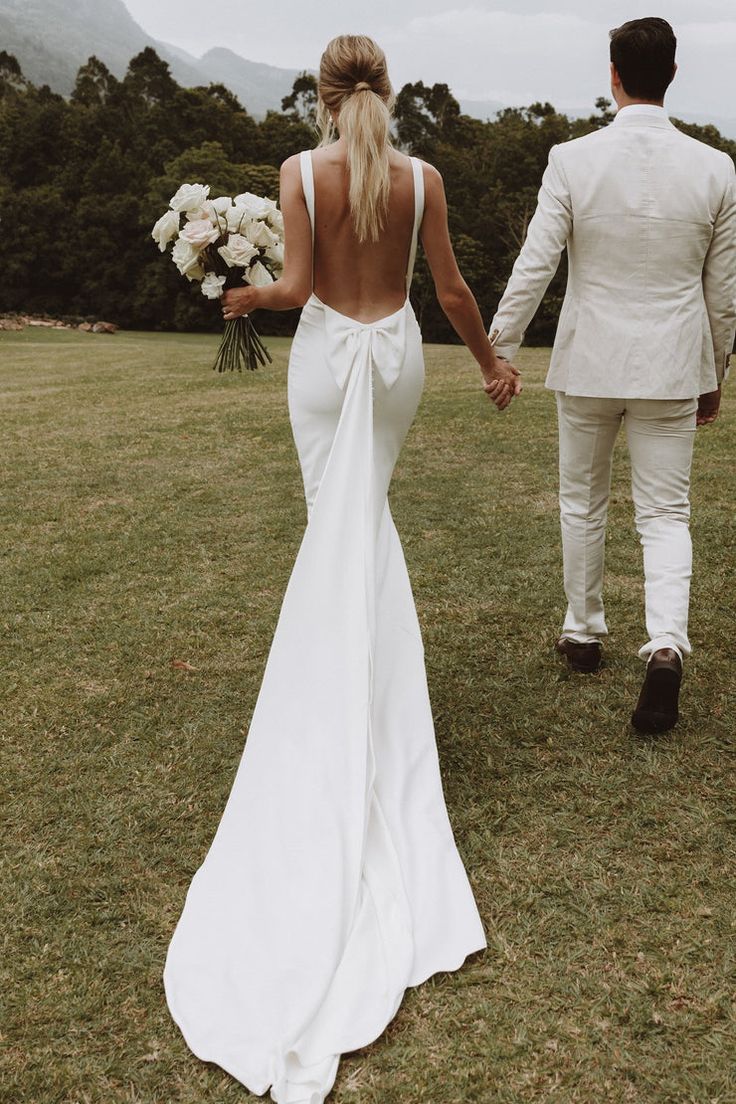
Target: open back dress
333	881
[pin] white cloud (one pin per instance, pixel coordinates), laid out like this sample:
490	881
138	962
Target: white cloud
498	23
721	34
504	55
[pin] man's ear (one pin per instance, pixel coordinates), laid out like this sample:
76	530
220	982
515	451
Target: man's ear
615	78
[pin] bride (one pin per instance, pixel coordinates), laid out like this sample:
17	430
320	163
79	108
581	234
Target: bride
333	881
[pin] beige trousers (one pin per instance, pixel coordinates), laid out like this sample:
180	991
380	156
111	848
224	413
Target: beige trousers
660	435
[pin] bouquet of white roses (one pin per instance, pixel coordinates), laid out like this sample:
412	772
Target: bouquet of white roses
222	243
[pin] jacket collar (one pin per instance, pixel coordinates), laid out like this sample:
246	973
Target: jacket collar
643	115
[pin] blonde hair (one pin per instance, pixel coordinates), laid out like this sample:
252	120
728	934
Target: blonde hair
354	87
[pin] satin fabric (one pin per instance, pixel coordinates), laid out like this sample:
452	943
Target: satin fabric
333	881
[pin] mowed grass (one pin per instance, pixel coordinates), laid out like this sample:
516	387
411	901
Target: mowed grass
151	512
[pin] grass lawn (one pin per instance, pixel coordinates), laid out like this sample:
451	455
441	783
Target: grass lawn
151	512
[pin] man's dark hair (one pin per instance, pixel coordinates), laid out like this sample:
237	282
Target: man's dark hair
643	51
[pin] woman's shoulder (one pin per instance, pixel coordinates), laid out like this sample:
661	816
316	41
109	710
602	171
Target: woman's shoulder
291	164
429	172
331	155
432	176
428	169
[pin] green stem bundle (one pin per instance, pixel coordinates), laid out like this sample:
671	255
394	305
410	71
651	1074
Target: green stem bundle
241	347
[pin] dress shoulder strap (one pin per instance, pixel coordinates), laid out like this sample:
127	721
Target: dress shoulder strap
307	170
418	174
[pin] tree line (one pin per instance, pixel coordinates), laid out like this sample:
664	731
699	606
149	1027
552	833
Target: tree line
83	179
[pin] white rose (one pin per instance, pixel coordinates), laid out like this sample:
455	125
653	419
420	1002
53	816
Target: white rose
215	210
186	259
212	285
190	197
258	275
275	253
237	251
200	233
257	206
236	216
165	229
276	221
260	234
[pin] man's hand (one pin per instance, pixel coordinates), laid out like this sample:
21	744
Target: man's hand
517	388
708	407
238	301
502	382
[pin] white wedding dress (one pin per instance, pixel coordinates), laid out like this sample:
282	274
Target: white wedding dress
333	881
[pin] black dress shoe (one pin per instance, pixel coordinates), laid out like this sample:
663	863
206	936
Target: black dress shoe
585	659
657	708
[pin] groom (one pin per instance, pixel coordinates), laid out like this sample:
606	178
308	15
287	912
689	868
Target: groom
648	217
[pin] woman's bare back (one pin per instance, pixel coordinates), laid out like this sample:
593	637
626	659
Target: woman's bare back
364	280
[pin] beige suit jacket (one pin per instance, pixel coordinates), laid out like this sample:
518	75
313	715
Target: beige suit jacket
648	217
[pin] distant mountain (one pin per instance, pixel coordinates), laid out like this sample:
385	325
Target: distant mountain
259	87
52	38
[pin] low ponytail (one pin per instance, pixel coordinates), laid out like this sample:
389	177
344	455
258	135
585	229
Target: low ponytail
354	87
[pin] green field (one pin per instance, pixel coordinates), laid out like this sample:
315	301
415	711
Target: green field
151	512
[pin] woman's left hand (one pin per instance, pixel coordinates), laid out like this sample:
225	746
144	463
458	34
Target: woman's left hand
238	301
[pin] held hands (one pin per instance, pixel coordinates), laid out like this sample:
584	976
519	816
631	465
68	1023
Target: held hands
501	382
708	407
238	301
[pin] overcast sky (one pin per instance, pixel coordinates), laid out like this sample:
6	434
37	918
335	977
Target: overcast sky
516	52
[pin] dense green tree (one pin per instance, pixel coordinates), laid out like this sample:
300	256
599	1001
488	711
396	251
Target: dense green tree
222	94
209	164
82	181
150	79
281	136
11	76
301	103
425	115
95	84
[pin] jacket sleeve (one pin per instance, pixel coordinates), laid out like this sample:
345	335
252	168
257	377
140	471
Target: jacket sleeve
537	263
719	278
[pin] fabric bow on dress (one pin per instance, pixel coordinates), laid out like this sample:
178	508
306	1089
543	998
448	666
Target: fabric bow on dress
380	345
